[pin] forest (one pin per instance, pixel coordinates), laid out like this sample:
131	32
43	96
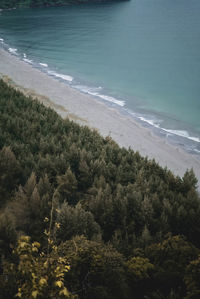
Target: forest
7	4
81	217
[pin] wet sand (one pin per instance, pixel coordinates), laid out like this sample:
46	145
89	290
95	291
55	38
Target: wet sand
87	110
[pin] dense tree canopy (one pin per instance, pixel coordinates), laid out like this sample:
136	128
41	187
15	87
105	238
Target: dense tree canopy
126	227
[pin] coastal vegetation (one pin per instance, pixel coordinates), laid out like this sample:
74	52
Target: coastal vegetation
6	4
81	217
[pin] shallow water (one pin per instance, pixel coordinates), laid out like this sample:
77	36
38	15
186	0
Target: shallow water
141	55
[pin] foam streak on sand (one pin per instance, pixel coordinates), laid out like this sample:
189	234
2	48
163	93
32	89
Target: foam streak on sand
95	92
43	64
125	130
61	76
180	133
13	51
28	60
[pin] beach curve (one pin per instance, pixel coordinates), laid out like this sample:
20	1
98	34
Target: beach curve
87	110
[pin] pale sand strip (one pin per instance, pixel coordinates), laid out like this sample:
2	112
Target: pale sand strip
87	110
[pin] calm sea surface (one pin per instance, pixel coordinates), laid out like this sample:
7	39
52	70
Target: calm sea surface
142	56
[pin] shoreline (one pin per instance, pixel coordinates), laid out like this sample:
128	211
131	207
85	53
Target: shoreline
87	110
184	138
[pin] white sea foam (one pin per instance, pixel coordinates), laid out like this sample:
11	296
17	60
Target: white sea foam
1	40
13	51
182	133
151	122
111	99
28	60
196	150
95	92
64	77
43	64
87	89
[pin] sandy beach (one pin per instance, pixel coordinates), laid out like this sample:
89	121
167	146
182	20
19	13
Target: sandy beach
87	110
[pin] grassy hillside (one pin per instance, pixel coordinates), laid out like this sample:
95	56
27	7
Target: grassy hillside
127	227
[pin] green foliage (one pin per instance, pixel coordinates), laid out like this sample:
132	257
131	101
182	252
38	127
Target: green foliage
176	249
9	173
76	221
8	236
192	279
30	205
67	187
106	209
97	270
140	275
171	258
5	4
139	268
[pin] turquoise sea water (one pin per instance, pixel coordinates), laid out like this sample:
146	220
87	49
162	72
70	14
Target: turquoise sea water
142	56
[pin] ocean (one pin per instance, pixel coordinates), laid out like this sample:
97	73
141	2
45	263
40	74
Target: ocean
141	57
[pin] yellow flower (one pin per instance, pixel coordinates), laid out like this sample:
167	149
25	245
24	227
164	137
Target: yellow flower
67	268
46	232
36	244
57	225
34	249
34	294
50	241
42	281
59	283
64	292
25	238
